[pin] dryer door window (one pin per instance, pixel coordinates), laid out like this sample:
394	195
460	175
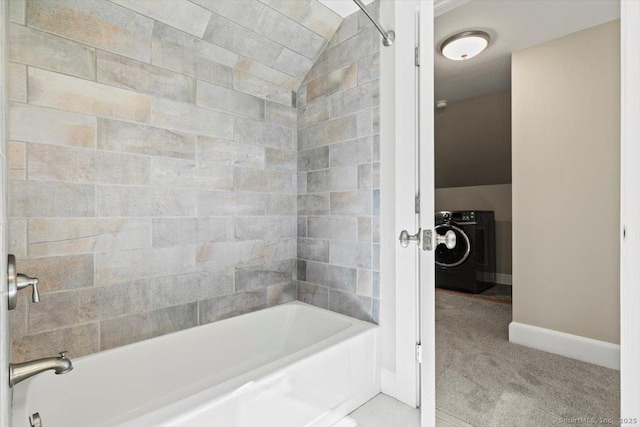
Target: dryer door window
452	257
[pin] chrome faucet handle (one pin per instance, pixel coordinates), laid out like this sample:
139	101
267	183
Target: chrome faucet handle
24	281
17	281
63	354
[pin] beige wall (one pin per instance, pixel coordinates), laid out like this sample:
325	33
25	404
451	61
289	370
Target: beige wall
566	133
496	198
473	142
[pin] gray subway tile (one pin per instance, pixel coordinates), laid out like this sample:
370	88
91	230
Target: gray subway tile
353	305
194	45
17	82
281	293
191	119
268	135
266	73
55	90
364	229
321	20
129	329
124	266
333	227
55	163
17	237
57	273
226	306
351	203
114	135
184	231
313	204
364	177
365	283
313	249
35	48
181	14
302	226
57	236
176	173
229	101
119	71
145	201
351	254
107	302
351	49
313	113
181	289
313	159
224	152
51	199
313	294
58	310
332	276
292	63
30	123
294	9
280	249
351	152
334	179
251	85
283	160
95	23
271	227
289	33
77	340
17	10
230	203
328	132
281	204
243	12
240	40
351	101
301	267
251	278
281	115
376	284
335	82
348	28
180	60
17	160
262	180
230	254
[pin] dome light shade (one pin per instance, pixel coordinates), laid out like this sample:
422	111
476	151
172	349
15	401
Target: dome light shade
465	45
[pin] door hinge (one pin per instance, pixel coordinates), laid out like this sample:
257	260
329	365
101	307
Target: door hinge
418	203
417	56
419	353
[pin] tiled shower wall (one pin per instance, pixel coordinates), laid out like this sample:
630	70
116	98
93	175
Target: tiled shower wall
339	173
153	164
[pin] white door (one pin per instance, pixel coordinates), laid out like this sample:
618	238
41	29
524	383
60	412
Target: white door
415	274
426	185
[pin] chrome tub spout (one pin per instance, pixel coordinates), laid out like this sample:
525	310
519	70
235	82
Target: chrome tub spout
21	371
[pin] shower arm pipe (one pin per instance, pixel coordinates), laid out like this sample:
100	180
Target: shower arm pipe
387	36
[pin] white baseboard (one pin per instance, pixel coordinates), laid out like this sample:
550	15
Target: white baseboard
503	279
574	346
388	384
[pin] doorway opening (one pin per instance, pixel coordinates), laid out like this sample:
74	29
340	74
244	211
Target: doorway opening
527	142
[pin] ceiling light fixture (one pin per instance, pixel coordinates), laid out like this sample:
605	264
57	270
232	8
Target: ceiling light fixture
465	45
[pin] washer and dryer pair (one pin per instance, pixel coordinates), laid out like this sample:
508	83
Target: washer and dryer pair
471	265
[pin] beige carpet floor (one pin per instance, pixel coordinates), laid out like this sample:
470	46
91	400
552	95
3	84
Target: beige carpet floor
484	380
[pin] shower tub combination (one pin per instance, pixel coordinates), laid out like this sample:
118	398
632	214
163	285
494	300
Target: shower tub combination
289	365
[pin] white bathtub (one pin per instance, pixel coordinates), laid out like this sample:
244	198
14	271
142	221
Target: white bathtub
290	365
